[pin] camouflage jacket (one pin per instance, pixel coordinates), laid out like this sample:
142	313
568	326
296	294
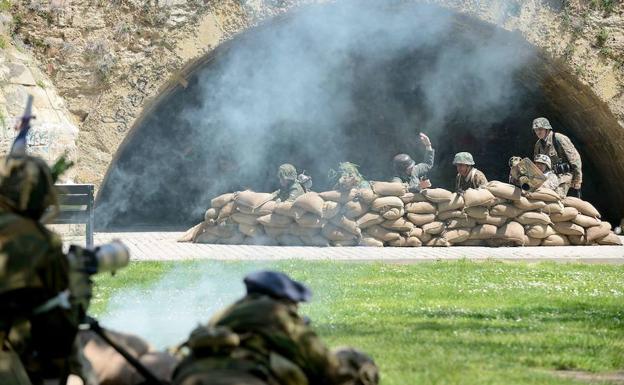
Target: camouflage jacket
419	170
552	181
276	346
564	152
474	179
290	193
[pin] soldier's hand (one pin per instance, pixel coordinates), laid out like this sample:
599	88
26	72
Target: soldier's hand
576	185
425	140
426	183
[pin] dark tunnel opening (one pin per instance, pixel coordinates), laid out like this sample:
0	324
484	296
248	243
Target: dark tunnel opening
470	86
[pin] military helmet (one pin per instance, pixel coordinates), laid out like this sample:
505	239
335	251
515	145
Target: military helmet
359	366
544	159
463	158
541	123
277	285
287	171
402	162
26	185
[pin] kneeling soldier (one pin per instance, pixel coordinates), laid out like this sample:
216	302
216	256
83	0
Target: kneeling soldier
552	181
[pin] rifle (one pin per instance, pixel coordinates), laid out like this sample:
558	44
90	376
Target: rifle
525	174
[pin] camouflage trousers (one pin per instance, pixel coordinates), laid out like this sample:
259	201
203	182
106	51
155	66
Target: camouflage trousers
565	181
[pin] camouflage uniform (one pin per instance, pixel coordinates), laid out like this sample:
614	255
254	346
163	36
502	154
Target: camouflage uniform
348	177
552	181
33	270
418	170
293	189
560	150
474	179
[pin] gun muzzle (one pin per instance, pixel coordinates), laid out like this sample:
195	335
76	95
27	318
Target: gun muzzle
524	183
112	256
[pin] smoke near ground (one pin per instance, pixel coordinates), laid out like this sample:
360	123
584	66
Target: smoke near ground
348	81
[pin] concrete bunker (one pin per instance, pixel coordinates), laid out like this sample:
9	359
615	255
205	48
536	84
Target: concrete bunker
336	82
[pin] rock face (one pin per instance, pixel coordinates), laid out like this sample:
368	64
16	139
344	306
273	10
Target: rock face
109	59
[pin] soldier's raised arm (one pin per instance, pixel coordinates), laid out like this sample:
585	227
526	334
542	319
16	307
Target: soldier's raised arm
428	161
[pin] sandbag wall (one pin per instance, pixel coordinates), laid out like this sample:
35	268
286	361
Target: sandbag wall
387	215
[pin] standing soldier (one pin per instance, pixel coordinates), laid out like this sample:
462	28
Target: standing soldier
552	182
415	175
290	187
564	158
467	175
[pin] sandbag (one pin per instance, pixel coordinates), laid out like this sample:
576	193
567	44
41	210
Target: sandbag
205	237
226	211
433	228
532	242
247	219
512	231
456	235
478	212
482	232
346	224
365	195
568	228
598	232
610	239
236	239
330	210
455	214
412	197
421	219
393	213
386	203
388	188
553	208
401	242
275	232
381	233
506	210
300	231
438	242
421	208
533	218
348	243
354	209
455	203
264	209
338	196
289	240
424	238
211	213
586	221
566	215
413	242
222	230
527	205
539	231
470	243
543	194
478	197
415	232
492	220
251	230
437	195
252	199
369	219
275	220
370	241
310	220
556	240
504	190
460	223
221	200
285	208
311	202
315	240
578	240
399	225
334	233
192	233
582	206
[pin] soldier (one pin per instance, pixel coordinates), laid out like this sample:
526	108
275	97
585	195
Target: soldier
290	186
348	177
261	339
552	181
467	175
407	171
564	158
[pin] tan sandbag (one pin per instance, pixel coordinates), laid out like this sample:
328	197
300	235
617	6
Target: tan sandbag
412	197
221	200
598	232
393	213
205	237
354	209
275	220
335	196
421	208
348	243
586	221
582	206
478	212
471	243
433	228
285	208
346	224
386	203
222	230
478	197
543	194
370	241
192	233
330	210
365	195
289	240
251	230
399	225
310	220
334	233
568	228
556	240
566	215
369	219
415	232
512	231
381	233
236	239
226	211
455	214
438	242
611	239
481	232
388	188
421	219
455	203
211	213
413	242
311	202
245	219
300	231
265	209
553	208
539	231
506	210
533	218
460	223
528	205
424	238
437	195
578	240
252	199
315	240
532	242
456	235
504	190
493	220
401	242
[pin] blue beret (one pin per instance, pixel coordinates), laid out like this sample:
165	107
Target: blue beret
277	285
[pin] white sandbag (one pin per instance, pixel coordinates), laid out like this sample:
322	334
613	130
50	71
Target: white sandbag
388	188
586	221
568	228
539	231
252	199
504	190
533	218
381	233
310	220
421	219
528	205
506	210
369	219
437	195
433	228
566	215
455	203
421	208
595	233
392	213
386	203
482	232
478	212
456	235
460	223
556	240
543	194
582	206
478	197
370	241
398	225
221	200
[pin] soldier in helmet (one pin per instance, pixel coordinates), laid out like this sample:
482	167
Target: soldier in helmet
290	188
564	158
348	177
552	181
407	171
467	174
261	339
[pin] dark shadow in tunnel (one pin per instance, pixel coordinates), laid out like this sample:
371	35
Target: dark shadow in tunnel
166	171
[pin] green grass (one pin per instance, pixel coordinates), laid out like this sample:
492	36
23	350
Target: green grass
438	323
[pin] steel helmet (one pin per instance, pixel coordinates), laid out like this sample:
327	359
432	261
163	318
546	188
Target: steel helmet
544	159
463	158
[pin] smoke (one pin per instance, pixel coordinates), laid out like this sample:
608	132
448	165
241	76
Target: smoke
352	80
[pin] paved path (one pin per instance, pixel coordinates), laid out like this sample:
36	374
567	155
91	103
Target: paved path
163	246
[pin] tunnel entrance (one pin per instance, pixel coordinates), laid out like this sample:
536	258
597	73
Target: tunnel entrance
349	82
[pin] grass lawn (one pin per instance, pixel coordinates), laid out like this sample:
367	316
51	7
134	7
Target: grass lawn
432	323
